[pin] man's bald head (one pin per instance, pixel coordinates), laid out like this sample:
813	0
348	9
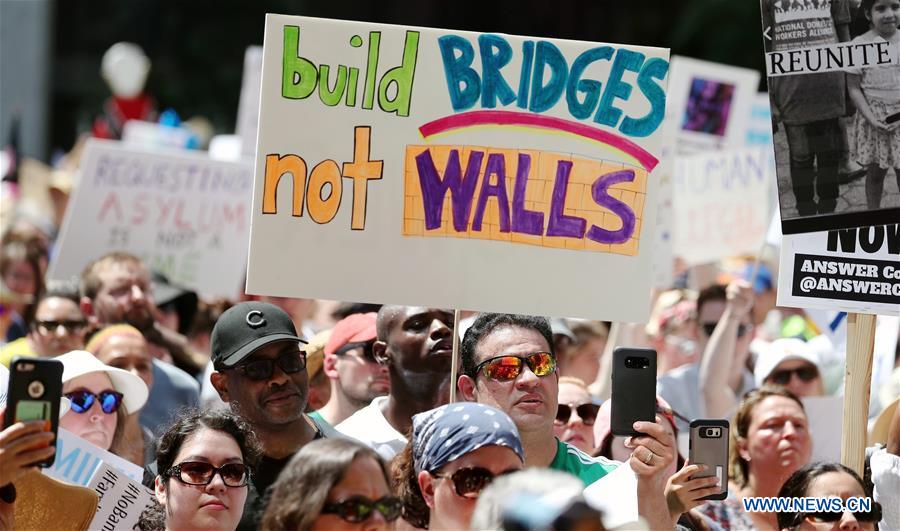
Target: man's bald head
387	316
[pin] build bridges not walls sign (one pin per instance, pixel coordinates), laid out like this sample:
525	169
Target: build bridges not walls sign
435	167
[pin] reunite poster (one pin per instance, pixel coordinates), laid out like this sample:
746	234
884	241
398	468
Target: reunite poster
436	167
184	214
833	89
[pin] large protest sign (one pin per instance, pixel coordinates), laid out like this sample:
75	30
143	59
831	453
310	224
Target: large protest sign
77	460
708	105
722	204
430	167
855	270
834	100
183	214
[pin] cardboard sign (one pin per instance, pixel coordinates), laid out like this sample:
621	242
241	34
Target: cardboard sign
122	500
445	168
183	214
854	270
810	64
77	460
722	204
709	104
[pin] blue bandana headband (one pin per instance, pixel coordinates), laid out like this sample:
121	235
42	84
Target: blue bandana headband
449	432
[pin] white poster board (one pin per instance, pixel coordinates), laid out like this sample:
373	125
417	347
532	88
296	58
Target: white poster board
122	500
77	460
708	105
854	270
722	204
445	168
183	214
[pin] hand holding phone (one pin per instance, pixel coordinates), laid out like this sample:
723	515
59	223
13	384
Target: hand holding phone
709	447
35	390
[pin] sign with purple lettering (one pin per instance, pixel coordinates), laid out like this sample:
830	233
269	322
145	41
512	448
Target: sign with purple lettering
457	169
184	214
834	89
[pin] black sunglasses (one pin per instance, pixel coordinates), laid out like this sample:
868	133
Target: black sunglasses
806	373
469	482
587	412
290	363
358	509
48	327
368	351
709	328
873	515
201	473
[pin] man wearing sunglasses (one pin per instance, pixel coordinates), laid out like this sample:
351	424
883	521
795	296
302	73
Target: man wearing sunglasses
508	363
355	377
711	387
416	346
260	371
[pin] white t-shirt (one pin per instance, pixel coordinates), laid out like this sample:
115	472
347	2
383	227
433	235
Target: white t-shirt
369	427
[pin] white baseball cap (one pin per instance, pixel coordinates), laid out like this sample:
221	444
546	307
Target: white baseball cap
780	350
80	362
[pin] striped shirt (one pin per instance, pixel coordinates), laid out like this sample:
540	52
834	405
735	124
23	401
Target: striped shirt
588	469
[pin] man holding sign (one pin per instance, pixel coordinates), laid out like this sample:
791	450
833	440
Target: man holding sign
527	391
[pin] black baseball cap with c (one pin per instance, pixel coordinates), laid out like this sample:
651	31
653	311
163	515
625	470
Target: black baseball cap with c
246	327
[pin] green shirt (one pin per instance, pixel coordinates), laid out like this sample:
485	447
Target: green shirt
572	460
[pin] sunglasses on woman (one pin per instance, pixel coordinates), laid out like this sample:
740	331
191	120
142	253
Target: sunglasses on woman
358	509
709	328
872	515
200	473
82	400
587	413
505	368
290	363
807	373
469	482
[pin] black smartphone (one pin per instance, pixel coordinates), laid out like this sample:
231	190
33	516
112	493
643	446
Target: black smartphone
709	446
35	389
892	118
633	389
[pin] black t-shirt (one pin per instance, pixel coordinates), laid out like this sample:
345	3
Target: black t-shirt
264	475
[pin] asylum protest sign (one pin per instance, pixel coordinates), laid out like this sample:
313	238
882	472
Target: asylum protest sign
122	500
184	214
722	204
708	105
854	270
434	167
819	75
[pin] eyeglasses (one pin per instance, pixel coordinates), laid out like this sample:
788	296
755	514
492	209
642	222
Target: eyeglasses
82	400
587	413
469	482
807	373
290	363
368	352
201	473
358	509
505	368
873	515
709	328
49	327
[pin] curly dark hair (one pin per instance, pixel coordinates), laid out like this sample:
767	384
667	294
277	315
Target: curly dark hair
487	322
406	484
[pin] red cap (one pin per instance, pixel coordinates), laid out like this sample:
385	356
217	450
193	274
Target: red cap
356	328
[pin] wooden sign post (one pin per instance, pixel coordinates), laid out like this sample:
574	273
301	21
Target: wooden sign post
857	382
